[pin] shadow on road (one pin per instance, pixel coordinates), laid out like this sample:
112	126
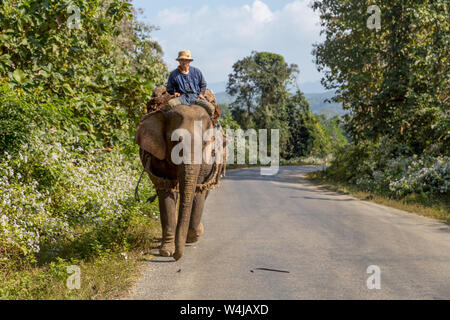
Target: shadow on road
316	198
287	175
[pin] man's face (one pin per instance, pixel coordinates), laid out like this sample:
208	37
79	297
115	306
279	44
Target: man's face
184	62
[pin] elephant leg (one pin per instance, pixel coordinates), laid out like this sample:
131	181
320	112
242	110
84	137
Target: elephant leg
195	226
167	208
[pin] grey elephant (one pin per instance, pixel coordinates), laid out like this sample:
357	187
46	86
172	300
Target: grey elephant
190	182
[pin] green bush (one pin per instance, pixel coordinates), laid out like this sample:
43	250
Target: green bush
60	200
15	123
94	81
70	100
385	169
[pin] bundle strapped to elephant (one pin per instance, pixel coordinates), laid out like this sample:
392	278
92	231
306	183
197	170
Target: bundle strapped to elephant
161	100
190	182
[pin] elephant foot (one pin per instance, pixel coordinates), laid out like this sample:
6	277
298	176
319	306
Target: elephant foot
194	235
167	250
177	255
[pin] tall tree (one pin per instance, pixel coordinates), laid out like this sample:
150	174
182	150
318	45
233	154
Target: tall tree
299	120
261	81
98	68
395	81
262	85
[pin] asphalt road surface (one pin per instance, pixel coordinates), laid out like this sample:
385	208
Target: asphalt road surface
325	240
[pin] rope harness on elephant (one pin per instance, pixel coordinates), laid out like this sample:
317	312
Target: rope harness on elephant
172	185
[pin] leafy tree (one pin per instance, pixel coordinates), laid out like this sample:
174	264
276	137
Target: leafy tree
299	119
260	81
322	141
15	127
260	84
334	128
395	80
226	120
98	76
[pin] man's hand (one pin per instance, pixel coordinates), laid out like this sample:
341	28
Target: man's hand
177	94
200	96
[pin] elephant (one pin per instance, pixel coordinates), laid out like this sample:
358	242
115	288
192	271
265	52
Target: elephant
190	182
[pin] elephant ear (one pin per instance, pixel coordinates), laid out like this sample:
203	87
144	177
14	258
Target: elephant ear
150	134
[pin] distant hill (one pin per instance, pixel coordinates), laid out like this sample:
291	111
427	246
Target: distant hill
312	87
223	97
217	86
316	102
318	105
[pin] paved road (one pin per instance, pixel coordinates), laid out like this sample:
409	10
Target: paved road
324	239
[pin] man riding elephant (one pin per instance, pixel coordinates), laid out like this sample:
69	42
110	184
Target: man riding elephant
187	84
176	111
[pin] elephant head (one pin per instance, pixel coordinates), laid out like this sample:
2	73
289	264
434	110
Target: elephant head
155	133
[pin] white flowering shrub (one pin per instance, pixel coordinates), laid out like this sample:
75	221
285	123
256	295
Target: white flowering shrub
423	175
57	200
383	169
405	175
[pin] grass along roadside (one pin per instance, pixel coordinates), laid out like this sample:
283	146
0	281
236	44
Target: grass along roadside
106	276
437	208
62	205
285	163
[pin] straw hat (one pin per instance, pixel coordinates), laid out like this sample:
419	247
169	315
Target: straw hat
185	54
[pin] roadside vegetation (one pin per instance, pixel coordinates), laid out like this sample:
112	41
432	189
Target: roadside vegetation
262	84
70	100
436	207
394	83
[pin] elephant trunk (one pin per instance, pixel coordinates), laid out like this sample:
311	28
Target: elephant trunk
188	174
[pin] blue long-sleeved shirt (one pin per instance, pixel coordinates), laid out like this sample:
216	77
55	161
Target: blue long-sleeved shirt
189	85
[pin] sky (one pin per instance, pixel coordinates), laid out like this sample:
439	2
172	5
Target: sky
220	32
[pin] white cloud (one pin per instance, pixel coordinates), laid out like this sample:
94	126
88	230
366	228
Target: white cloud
219	37
260	12
173	17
